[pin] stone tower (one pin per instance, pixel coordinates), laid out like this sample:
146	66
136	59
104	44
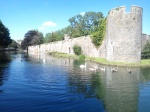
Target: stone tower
123	34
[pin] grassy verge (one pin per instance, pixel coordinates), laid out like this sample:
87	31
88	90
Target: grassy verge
144	62
58	54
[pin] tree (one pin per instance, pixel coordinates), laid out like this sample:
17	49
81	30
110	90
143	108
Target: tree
84	24
14	44
56	36
32	37
145	54
4	36
99	33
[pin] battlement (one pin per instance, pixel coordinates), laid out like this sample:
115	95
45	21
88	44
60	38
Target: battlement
122	9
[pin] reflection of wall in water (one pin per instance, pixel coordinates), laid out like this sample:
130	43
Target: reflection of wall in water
39	57
121	90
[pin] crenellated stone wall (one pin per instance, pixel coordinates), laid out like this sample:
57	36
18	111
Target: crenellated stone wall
123	34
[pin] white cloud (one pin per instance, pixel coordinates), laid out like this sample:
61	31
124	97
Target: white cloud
82	13
41	28
49	24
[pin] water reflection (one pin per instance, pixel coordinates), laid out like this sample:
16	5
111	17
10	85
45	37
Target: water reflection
4	60
118	90
58	80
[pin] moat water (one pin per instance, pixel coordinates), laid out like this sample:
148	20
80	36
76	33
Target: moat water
41	83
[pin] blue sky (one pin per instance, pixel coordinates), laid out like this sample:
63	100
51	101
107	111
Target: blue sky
21	16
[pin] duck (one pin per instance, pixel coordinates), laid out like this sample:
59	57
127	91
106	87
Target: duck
83	66
128	70
114	69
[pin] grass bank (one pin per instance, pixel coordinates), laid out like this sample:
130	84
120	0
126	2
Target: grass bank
144	62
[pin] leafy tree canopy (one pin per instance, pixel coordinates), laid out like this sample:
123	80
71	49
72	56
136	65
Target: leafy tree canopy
84	24
145	54
99	33
32	37
4	35
91	23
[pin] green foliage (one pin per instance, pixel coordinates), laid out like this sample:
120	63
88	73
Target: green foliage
14	44
56	36
77	50
82	57
32	37
145	54
99	33
82	25
4	36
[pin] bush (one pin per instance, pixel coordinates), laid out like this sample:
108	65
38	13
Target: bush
77	49
82	57
145	54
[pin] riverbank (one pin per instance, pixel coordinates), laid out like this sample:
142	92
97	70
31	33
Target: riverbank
143	63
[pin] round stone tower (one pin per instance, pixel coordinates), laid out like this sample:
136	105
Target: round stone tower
123	34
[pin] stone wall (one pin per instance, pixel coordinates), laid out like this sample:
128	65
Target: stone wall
66	46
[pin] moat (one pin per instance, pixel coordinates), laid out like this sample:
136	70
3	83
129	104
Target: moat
41	83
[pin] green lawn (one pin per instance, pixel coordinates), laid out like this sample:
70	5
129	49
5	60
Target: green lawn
144	62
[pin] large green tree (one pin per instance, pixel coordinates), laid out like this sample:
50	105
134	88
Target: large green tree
32	37
91	23
84	24
56	36
4	35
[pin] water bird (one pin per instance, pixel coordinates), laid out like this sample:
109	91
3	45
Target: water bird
113	69
128	70
43	60
92	68
65	62
102	69
83	66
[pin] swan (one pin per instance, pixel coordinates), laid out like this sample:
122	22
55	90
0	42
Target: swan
43	60
103	69
83	66
92	69
65	62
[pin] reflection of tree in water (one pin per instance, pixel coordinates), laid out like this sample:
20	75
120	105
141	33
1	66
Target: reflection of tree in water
145	74
87	83
76	63
78	85
4	60
118	91
98	86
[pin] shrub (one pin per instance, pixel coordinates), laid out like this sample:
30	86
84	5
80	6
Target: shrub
82	57
77	49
